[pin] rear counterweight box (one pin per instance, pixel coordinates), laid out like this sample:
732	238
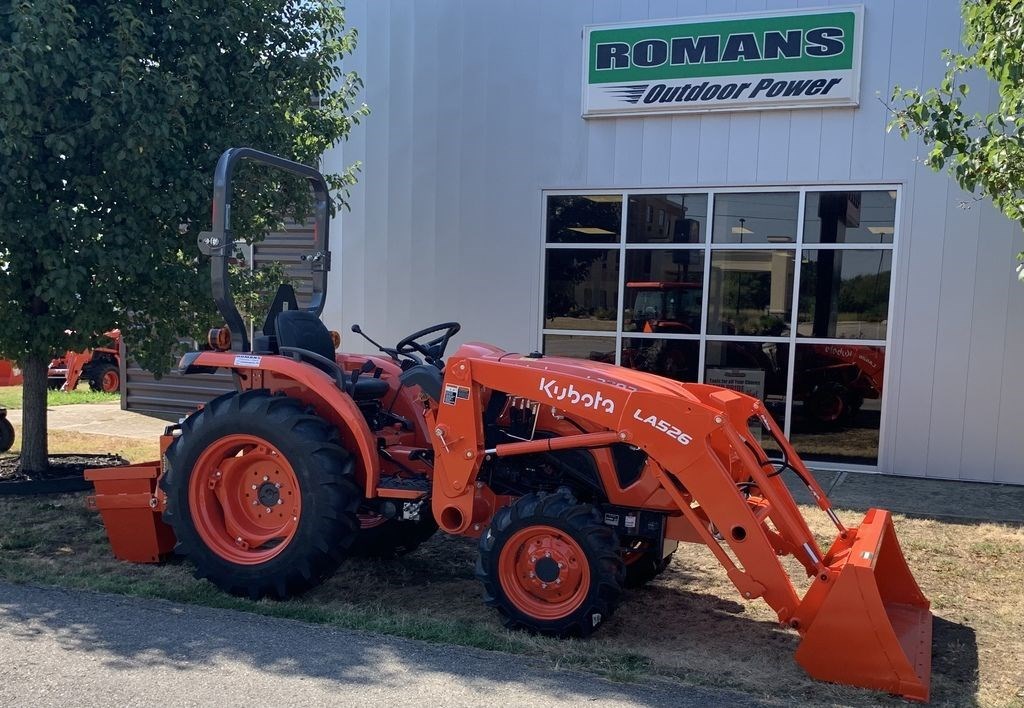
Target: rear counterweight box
126	498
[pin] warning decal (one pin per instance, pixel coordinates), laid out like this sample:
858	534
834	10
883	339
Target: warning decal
453	393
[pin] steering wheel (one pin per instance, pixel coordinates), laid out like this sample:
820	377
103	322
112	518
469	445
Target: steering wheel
433	349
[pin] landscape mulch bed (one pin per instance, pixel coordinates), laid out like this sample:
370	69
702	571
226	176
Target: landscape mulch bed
65	473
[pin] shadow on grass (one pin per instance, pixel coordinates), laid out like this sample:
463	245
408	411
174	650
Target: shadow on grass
954	664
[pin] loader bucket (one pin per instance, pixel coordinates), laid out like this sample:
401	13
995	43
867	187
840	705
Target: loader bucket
869	623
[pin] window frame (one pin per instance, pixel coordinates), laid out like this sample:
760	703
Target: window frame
707	247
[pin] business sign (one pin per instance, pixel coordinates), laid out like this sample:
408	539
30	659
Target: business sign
792	59
748	381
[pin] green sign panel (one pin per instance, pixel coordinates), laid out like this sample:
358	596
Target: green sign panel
770	60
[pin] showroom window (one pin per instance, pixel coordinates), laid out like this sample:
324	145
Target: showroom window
781	293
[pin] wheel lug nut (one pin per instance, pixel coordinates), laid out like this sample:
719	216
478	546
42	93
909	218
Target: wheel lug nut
254	486
280	501
266	478
268	509
547	554
558	581
544	586
561	565
533	559
532	574
277	484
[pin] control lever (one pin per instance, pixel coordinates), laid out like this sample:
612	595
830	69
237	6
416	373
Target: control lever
393	353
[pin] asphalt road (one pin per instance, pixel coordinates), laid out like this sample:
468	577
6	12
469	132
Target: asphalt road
61	648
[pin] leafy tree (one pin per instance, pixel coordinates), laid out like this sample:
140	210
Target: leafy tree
112	116
984	153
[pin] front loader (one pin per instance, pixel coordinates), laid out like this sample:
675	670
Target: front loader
577	479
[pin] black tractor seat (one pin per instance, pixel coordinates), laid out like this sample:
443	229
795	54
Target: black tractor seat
301	334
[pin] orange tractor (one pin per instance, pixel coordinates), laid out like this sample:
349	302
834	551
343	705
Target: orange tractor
99	366
577	478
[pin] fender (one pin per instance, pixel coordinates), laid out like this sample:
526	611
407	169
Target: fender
308	384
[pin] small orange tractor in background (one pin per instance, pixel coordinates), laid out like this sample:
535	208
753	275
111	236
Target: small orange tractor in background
10	374
577	479
99	366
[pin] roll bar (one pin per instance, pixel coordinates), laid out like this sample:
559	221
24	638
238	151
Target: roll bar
219	242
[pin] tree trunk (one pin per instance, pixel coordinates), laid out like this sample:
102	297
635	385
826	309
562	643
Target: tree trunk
34	449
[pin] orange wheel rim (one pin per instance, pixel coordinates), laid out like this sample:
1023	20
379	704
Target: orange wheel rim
544	572
111	381
245	499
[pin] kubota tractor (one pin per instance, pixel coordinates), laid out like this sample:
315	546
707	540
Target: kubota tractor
99	366
577	478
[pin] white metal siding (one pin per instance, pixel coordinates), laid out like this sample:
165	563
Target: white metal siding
476	109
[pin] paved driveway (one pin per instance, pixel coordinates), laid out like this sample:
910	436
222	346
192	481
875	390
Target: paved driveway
99	419
62	648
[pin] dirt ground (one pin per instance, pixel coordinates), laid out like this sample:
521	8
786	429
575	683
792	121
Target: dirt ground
688	625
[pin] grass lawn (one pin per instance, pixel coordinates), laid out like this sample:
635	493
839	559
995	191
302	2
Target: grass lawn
689	625
10	397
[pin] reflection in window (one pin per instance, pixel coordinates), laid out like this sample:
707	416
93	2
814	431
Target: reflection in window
580	347
837	401
757	217
673	358
751	292
591	218
666	218
844	294
758	369
850	217
581	288
664	289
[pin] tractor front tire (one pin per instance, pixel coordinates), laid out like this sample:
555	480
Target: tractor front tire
549	565
260	495
6	435
105	377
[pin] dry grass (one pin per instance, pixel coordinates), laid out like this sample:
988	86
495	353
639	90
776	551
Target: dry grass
689	625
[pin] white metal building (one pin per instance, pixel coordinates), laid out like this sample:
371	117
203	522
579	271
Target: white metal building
767	235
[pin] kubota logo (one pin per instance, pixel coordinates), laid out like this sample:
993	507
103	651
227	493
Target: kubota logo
556	392
664	426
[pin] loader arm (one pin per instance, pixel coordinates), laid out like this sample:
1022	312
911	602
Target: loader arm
700	448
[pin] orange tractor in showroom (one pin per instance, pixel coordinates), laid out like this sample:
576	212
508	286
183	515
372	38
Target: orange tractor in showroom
577	478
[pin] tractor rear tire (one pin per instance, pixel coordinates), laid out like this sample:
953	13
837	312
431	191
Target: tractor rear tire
393	538
6	435
105	377
549	565
260	495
